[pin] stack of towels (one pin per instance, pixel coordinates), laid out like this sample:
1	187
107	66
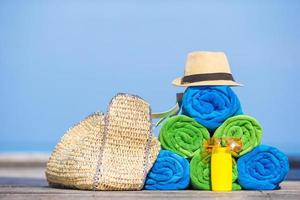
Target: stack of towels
214	111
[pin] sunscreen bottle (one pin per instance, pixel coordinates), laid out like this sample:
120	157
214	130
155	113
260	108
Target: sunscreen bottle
221	169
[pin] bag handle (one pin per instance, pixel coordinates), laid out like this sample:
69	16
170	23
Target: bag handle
169	113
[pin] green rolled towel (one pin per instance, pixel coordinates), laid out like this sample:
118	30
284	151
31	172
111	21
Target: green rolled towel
244	127
200	173
183	135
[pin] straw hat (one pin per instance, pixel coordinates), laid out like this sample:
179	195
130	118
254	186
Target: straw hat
206	68
107	152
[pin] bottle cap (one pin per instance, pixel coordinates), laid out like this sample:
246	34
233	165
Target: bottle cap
221	150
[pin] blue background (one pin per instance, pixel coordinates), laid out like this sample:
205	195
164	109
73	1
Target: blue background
62	60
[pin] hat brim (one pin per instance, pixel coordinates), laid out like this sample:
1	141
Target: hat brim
177	82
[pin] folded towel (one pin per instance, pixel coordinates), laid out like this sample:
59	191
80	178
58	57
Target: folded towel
183	135
210	105
169	172
200	173
244	127
263	168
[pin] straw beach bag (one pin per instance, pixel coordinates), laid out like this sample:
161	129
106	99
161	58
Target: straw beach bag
107	152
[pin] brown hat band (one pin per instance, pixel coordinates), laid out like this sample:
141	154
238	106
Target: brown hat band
206	77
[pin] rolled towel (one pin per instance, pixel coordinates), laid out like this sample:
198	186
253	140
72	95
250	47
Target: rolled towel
183	135
244	127
210	105
169	172
264	168
200	173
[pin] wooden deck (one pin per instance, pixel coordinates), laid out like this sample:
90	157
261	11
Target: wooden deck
27	181
37	189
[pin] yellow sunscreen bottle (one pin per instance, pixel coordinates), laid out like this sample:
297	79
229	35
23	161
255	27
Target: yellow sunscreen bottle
221	169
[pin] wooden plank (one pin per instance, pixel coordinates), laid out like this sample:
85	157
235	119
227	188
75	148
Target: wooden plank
154	195
290	190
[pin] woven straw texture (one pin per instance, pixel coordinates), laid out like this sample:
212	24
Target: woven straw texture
73	161
107	152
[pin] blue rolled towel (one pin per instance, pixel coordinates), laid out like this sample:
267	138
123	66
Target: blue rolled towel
263	168
210	105
169	172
